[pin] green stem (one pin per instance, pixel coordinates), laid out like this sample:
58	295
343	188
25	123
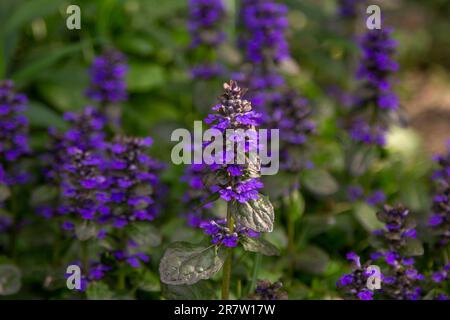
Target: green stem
255	271
445	253
291	235
239	289
121	276
227	265
121	280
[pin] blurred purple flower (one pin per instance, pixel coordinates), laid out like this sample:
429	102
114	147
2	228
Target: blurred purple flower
440	220
375	198
14	134
348	9
108	73
206	18
375	98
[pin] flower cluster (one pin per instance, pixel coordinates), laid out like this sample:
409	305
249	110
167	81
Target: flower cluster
85	135
265	22
86	132
234	181
440	220
132	181
115	188
376	67
108	73
81	181
222	235
354	284
205	21
375	97
111	186
398	228
86	129
265	290
400	278
14	134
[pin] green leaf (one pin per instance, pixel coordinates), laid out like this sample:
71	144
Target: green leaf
85	230
144	77
149	281
10	279
104	16
313	260
145	234
359	160
298	291
67	97
259	245
39	64
186	263
320	182
28	11
276	185
414	194
313	225
413	247
199	291
367	216
5	192
257	214
42	116
136	44
99	291
295	204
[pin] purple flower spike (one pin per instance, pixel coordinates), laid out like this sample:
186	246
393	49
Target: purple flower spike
375	96
108	73
440	220
206	19
14	134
